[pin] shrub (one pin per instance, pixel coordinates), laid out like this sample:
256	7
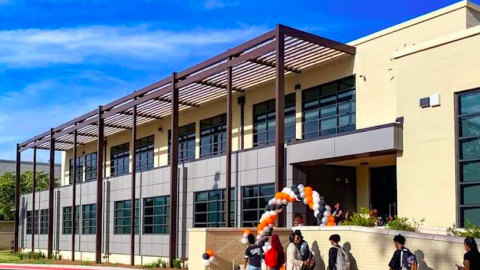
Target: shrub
471	230
157	264
403	224
362	218
177	264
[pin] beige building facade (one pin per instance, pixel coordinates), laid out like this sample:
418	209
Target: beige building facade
392	127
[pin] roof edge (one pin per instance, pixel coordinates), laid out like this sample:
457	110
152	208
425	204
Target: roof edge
415	21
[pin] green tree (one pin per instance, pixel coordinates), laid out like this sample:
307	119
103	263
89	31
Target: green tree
7	189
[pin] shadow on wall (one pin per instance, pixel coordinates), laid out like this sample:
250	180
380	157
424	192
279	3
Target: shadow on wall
422	265
348	249
320	264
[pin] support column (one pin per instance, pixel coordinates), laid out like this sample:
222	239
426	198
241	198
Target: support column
51	185
172	254
134	172
99	220
74	192
280	115
34	189
228	156
17	198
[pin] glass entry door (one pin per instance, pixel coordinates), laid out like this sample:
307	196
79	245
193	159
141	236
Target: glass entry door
383	190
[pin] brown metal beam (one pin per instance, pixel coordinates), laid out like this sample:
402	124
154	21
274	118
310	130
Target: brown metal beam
228	169
134	174
34	189
51	185
17	199
280	115
112	126
142	115
271	63
86	135
186	103
74	192
99	213
172	252
220	85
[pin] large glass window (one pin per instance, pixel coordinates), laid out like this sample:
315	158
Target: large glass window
67	220
264	121
254	200
79	172
209	207
119	159
44	221
186	143
329	108
30	222
144	153
91	167
156	215
89	215
469	156
123	211
213	136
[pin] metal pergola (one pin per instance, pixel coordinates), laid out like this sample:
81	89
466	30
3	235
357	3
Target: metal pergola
272	55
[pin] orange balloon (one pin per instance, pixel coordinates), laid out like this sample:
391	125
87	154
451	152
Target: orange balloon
269	220
210	252
310	205
309	199
247	231
278	195
291	199
331	219
308	191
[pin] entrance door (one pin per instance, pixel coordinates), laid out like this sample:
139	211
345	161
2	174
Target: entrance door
383	190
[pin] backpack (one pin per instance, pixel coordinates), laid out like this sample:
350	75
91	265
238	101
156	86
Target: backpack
408	261
271	258
343	262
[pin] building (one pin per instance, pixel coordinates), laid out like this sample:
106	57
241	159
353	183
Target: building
9	166
388	121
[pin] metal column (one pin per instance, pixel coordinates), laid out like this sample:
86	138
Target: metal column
228	157
34	189
51	185
17	198
173	172
134	172
99	220
74	192
280	115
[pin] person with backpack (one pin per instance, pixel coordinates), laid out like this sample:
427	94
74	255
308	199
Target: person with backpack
275	258
294	261
306	254
337	256
403	258
471	259
253	254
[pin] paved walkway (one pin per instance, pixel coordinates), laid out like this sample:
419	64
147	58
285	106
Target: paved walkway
55	267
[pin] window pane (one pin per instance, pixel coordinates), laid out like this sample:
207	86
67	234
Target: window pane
470	126
470	103
470	148
470	171
472	215
470	194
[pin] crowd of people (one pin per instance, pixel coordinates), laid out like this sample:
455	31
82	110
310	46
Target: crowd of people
298	255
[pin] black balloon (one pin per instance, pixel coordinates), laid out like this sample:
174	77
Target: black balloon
278	206
299	198
293	187
206	256
321	209
296	191
320	216
322	203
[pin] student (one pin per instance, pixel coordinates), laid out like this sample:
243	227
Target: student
253	254
294	261
338	214
305	254
471	259
298	220
402	258
275	258
337	256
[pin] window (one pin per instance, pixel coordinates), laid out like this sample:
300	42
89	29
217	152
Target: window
88	218
144	153
120	159
186	143
254	200
156	215
44	221
264	121
67	219
329	108
79	177
123	214
30	220
469	156
91	167
209	207
213	136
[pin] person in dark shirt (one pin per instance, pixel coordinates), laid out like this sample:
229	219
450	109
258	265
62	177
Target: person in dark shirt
471	259
333	252
305	254
253	254
396	261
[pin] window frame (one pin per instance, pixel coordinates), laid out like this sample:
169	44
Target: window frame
220	144
145	145
123	150
125	228
92	218
67	219
79	176
260	209
44	221
221	211
30	220
184	138
91	167
164	228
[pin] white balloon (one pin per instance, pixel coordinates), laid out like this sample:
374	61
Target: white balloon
322	225
262	234
301	190
300	186
316	212
328	207
275	213
279	210
265	249
316	206
206	262
316	200
305	201
270	225
266	229
285	202
259	237
315	194
327	213
212	259
292	194
324	220
279	201
245	235
244	241
302	195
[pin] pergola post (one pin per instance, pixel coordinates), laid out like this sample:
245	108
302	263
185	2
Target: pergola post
74	192
51	185
100	142
134	172
228	156
17	198
173	172
279	114
34	189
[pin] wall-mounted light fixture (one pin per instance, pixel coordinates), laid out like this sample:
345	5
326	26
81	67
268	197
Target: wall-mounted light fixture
298	87
160	129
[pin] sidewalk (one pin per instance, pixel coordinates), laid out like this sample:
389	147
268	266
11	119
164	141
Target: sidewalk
55	267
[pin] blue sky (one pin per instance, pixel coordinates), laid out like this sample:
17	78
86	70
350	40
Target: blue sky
62	58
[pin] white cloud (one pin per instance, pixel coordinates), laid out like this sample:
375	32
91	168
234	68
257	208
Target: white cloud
214	4
42	47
